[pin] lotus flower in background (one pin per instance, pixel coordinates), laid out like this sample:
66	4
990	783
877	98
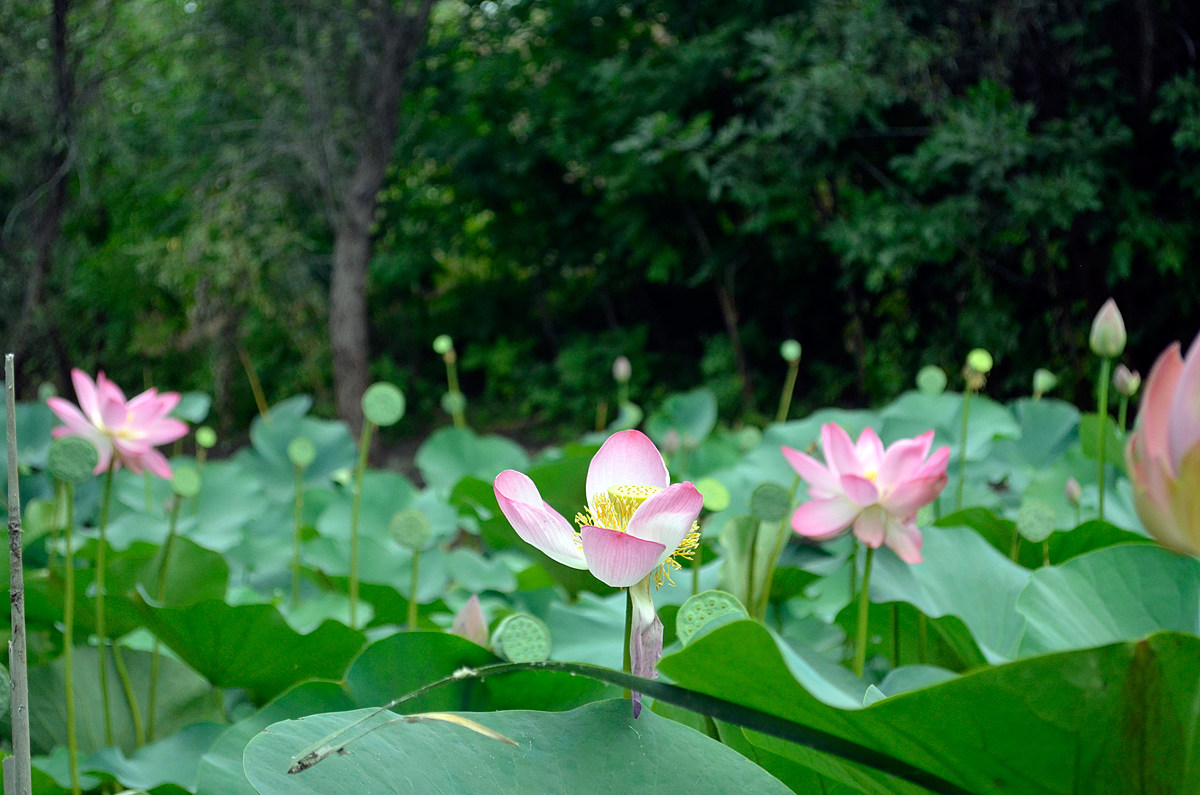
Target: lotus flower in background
124	431
1163	452
636	523
877	491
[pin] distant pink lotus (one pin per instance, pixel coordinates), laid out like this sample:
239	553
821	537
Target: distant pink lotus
877	491
1163	454
634	526
127	430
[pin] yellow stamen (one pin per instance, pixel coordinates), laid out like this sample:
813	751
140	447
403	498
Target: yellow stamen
686	550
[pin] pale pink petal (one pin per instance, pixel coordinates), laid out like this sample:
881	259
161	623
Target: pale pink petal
165	431
903	459
936	465
905	540
1154	415
821	482
85	391
869	527
1184	424
113	414
156	462
839	450
905	500
627	458
535	521
860	490
69	414
666	517
821	519
645	637
869	450
619	559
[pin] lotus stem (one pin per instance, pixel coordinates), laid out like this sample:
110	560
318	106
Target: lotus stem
297	524
1102	413
161	595
864	604
101	564
772	564
135	714
962	450
69	636
789	386
626	664
364	446
412	594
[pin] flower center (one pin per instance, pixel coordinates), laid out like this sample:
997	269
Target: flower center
614	508
870	475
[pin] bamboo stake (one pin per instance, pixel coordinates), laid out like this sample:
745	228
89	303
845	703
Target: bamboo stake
18	775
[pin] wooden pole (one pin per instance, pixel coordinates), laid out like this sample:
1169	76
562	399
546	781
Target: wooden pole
18	776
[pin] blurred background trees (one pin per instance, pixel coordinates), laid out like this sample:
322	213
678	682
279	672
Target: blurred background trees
684	182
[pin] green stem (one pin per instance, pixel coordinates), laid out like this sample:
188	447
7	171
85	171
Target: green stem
789	386
161	596
69	637
864	604
697	560
364	446
773	563
297	523
101	563
626	664
895	634
412	594
135	714
922	638
962	450
1046	552
1102	414
1015	551
460	421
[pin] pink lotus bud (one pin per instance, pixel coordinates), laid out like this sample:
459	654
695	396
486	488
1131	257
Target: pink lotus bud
470	622
1108	331
1074	491
622	370
1125	381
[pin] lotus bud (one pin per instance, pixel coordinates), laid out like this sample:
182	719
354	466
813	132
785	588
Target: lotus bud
1043	381
470	622
1126	381
1108	331
622	370
1074	491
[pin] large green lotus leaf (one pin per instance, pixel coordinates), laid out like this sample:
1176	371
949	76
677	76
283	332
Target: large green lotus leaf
406	661
1048	428
964	576
336	449
1118	593
475	573
1121	718
251	646
691	415
562	481
451	454
383	494
171	761
34	421
231	498
183	698
189	574
220	771
381	563
597	748
192	407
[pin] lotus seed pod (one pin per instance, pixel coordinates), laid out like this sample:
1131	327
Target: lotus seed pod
1108	331
1074	491
72	459
301	452
206	437
716	496
411	529
1043	381
521	638
704	608
931	380
790	351
453	402
185	481
1127	382
748	438
383	404
443	344
770	502
980	361
1035	521
622	370
46	390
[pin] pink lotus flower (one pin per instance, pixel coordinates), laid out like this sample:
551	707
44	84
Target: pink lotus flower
636	523
127	430
877	491
1163	453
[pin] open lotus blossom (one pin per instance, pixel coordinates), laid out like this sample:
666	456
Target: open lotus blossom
126	431
1163	452
634	527
877	491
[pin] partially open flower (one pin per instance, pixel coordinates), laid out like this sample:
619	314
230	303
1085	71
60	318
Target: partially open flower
1163	453
877	491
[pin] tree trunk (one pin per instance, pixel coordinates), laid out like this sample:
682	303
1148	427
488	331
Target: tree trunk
401	36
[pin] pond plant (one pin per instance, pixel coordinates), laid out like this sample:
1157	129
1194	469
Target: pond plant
287	618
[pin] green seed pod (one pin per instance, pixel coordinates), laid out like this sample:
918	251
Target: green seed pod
301	452
790	351
443	344
980	361
1043	381
521	638
411	529
1035	521
206	437
185	481
383	404
716	496
453	402
72	459
931	380
770	502
703	608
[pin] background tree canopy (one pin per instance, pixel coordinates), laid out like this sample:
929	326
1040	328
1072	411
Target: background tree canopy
682	181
